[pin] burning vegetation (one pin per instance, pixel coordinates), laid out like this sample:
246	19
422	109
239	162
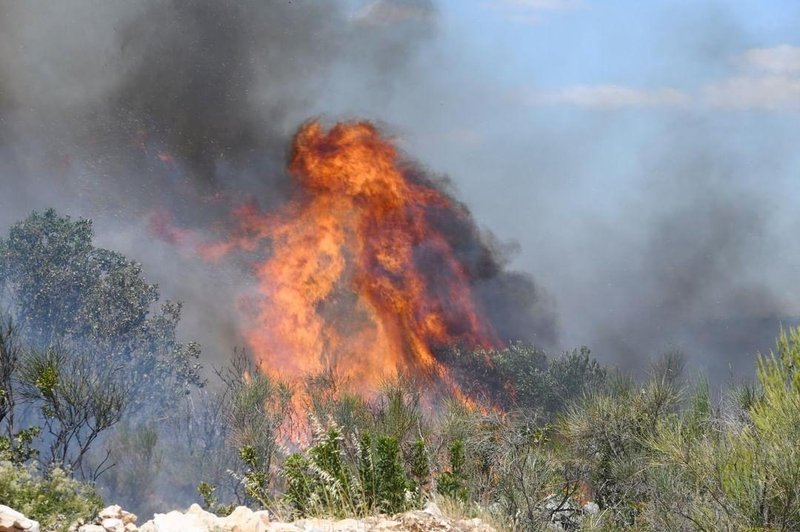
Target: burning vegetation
361	271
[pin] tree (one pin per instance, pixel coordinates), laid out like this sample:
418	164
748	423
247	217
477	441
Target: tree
63	289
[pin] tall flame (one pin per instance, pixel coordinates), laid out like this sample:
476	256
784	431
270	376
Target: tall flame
358	276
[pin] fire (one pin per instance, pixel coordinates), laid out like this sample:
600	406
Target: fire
357	276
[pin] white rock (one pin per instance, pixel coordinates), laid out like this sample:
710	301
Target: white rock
13	521
262	515
128	518
283	527
111	512
433	509
591	508
177	522
113	524
350	525
91	528
387	524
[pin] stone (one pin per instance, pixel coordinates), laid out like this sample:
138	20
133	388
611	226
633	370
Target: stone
110	512
128	518
177	522
350	525
433	509
13	521
113	524
591	508
283	527
243	519
388	524
262	515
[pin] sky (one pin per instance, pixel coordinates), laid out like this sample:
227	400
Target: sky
636	159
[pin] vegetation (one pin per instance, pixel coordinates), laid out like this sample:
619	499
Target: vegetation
561	441
81	347
53	499
64	290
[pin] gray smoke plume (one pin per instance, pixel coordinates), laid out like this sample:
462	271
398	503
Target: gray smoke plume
163	113
158	117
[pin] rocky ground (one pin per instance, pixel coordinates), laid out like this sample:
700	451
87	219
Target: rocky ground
195	519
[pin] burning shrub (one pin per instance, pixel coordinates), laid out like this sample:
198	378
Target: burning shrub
522	376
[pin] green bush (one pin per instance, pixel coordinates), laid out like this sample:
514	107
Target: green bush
742	471
318	480
452	483
54	499
325	479
604	439
76	399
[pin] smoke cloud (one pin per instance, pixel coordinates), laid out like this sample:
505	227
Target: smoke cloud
157	118
157	115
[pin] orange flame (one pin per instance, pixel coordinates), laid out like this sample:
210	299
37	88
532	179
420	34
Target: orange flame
358	278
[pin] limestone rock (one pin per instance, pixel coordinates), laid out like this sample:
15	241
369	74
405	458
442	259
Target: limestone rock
283	527
113	524
176	521
242	519
13	521
110	519
110	512
91	528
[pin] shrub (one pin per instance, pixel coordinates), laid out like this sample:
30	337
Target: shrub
452	483
392	485
604	437
77	402
326	480
255	408
745	471
318	481
53	499
133	481
420	467
527	473
522	376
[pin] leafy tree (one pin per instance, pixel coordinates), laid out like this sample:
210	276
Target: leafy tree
63	289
